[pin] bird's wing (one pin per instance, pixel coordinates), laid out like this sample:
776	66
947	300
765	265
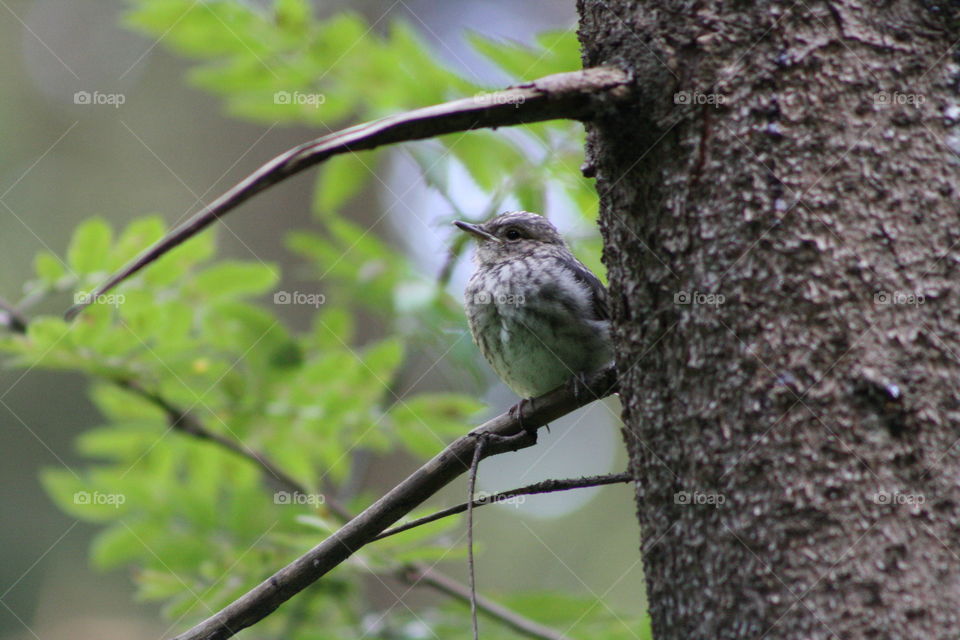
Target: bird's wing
599	300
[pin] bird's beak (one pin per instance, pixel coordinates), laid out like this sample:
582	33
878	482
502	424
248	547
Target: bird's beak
475	230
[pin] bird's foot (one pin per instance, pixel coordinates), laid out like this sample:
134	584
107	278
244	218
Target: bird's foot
517	440
516	412
579	387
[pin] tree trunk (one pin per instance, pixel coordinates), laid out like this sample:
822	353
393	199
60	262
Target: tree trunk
780	218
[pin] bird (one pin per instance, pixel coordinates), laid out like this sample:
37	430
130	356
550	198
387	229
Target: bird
538	315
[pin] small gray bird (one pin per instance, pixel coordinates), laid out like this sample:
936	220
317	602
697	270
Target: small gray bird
537	314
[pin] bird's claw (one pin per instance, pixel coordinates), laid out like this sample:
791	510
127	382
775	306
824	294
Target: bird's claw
504	441
516	412
579	387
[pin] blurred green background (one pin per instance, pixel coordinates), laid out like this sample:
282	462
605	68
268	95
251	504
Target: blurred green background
169	148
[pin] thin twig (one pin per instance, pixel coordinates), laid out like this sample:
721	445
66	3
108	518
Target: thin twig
471	566
546	486
574	95
185	422
450	463
456	590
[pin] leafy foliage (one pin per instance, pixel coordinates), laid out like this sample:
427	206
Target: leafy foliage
202	524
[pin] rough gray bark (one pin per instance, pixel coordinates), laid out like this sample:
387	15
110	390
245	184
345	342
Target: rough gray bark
818	403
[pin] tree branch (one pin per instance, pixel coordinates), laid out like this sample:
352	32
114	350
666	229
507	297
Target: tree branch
546	486
452	588
416	573
185	422
11	318
575	95
450	463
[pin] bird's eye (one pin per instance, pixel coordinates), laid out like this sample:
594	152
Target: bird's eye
512	234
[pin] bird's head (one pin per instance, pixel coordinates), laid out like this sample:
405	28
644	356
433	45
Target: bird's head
511	234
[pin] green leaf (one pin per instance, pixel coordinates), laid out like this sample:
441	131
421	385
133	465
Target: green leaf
47	332
49	268
137	236
90	246
120	405
205	29
158	585
430	158
489	158
115	547
232	278
82	499
119	441
293	15
531	195
558	51
341	179
383	358
425	422
332	328
170	269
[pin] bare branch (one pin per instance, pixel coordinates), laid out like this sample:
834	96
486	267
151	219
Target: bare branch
546	486
450	463
11	318
452	588
574	95
185	422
